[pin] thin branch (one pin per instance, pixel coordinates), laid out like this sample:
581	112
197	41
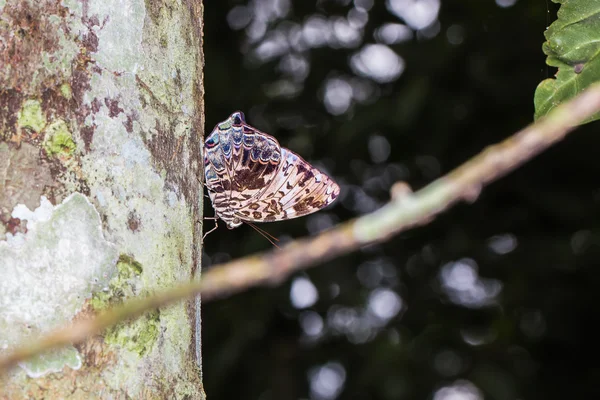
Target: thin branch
405	210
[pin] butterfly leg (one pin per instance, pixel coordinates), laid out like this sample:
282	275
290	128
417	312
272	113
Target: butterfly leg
204	185
216	219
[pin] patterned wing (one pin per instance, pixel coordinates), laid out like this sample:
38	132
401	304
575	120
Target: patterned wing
239	162
255	165
251	178
296	190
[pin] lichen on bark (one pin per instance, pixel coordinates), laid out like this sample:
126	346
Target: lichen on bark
103	99
49	272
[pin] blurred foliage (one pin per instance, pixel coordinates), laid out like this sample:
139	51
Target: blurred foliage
493	299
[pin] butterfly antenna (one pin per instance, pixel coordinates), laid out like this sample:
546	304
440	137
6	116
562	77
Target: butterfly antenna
266	233
272	239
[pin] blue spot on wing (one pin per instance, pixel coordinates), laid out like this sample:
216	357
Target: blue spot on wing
265	155
226	148
216	160
210	175
275	156
212	140
237	136
255	153
248	140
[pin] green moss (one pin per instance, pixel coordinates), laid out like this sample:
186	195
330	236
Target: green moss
59	140
121	286
66	91
31	116
128	267
100	300
138	335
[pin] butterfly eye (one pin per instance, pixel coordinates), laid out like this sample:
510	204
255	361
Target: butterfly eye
238	118
212	140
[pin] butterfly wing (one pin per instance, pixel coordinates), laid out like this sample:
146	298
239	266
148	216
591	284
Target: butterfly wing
239	163
255	165
297	189
251	178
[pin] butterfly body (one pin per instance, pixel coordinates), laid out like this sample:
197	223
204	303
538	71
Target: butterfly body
251	178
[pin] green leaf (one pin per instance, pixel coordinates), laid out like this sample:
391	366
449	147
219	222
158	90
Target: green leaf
573	45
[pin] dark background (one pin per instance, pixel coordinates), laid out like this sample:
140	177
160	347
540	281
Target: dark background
495	299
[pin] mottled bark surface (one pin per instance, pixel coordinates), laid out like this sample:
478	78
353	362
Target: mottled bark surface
100	133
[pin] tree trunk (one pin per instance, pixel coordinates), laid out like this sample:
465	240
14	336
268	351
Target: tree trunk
101	119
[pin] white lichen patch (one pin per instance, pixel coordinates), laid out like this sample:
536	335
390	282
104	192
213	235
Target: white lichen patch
52	361
49	272
137	105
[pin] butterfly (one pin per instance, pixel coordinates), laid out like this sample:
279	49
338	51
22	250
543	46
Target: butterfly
251	178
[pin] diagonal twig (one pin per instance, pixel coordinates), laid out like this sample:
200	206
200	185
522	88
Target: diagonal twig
404	211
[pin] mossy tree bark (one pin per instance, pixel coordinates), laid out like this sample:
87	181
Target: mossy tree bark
101	120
